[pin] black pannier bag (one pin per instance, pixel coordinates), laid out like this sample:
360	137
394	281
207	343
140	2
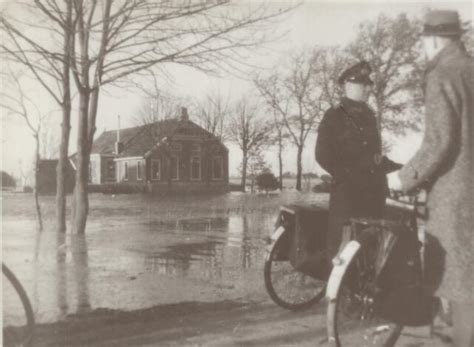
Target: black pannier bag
307	239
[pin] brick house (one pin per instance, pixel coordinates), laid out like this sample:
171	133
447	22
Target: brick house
168	155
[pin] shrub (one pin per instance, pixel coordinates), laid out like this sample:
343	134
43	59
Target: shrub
267	181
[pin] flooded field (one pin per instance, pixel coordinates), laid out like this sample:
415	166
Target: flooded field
141	251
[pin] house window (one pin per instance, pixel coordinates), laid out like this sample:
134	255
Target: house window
195	147
195	168
93	171
176	146
155	169
139	171
174	166
119	172
217	168
125	171
110	170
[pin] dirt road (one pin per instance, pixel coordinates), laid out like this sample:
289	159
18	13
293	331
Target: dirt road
225	323
220	323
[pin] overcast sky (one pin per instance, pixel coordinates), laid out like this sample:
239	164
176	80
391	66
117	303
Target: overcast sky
314	23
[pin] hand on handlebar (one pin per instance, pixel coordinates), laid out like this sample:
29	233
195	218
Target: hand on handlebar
418	195
394	181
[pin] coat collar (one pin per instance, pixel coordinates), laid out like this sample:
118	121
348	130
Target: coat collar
452	48
352	104
355	106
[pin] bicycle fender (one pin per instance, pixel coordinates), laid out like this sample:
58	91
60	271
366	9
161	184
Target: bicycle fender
274	238
341	262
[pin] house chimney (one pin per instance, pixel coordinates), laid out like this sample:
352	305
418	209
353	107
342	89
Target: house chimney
118	144
184	114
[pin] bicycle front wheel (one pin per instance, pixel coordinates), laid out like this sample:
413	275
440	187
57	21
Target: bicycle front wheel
18	318
287	287
351	320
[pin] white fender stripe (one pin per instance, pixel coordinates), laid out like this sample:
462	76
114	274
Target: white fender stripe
277	233
274	238
341	262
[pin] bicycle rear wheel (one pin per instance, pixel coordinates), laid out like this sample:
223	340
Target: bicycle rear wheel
287	287
18	317
351	319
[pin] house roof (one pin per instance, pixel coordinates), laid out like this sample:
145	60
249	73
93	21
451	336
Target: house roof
138	141
105	143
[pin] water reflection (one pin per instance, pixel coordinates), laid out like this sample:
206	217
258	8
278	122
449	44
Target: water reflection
80	269
204	224
61	274
224	243
115	266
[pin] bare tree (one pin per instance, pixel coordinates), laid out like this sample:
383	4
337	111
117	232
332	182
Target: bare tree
157	108
43	46
332	62
114	39
392	47
122	38
256	165
18	104
297	96
279	137
213	112
49	138
248	130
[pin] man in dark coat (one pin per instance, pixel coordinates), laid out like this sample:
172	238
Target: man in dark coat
349	148
444	164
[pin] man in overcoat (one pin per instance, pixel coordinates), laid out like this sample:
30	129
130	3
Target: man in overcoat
349	148
444	164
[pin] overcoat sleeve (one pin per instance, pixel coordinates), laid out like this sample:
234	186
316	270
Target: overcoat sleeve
441	132
326	145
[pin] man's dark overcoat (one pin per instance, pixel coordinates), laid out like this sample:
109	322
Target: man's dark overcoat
348	141
444	165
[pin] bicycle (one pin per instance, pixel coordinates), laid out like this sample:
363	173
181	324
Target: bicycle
375	286
23	332
291	285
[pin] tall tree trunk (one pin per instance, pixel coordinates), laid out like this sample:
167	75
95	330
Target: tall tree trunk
81	201
61	169
244	171
299	168
379	115
35	189
88	103
280	163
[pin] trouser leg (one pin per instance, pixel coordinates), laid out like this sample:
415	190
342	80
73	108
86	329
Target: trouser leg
463	324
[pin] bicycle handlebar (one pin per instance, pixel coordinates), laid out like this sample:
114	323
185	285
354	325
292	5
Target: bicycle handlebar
414	202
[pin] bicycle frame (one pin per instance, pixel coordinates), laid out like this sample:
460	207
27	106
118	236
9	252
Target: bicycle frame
351	252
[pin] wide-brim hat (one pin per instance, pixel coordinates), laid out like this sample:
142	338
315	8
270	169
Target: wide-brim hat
442	23
358	73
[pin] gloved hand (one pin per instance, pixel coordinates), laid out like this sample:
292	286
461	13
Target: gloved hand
394	182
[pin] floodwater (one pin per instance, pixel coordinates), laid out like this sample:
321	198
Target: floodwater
139	253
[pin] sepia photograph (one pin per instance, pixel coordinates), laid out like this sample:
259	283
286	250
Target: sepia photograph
237	173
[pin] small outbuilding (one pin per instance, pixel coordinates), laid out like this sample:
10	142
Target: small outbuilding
47	177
